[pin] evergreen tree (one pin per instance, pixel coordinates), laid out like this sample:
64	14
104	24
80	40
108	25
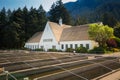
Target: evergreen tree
117	30
19	20
3	16
58	11
42	19
9	13
11	36
26	20
33	21
3	23
109	20
19	25
80	20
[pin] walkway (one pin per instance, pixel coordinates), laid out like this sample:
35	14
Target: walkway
113	76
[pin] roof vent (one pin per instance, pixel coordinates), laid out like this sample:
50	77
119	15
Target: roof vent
60	21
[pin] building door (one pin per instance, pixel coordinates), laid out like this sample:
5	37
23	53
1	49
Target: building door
46	47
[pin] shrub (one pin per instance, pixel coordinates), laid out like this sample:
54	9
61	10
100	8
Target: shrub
115	49
97	50
81	50
111	43
38	49
117	41
25	48
69	50
59	50
52	50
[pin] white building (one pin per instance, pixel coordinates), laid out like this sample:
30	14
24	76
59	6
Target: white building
60	37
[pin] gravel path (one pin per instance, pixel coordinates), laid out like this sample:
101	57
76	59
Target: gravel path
116	54
114	76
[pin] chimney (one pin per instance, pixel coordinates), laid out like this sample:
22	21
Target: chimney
60	21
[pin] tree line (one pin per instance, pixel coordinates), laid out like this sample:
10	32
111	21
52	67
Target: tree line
17	26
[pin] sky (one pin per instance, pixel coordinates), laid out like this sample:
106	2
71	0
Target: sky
14	4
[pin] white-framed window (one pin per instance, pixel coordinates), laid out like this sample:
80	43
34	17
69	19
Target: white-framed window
42	47
87	46
47	40
71	46
53	47
66	46
81	45
76	46
62	46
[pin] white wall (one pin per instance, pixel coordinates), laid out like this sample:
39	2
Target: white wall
48	34
92	44
32	45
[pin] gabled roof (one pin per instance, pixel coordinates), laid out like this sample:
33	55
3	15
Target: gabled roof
64	33
35	38
57	29
75	33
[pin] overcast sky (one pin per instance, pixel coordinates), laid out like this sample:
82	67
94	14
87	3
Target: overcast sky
14	4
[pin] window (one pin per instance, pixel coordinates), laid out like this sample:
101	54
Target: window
29	46
81	45
62	46
75	46
66	46
87	46
53	47
42	47
47	40
38	46
32	46
71	46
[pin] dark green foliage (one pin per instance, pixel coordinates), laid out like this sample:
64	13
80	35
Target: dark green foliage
3	23
117	41
38	50
109	19
108	13
19	25
69	50
80	21
58	11
97	50
117	30
81	50
52	50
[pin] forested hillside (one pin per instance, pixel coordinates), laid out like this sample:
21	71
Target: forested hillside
94	10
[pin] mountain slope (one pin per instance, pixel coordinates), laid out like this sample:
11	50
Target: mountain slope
93	8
